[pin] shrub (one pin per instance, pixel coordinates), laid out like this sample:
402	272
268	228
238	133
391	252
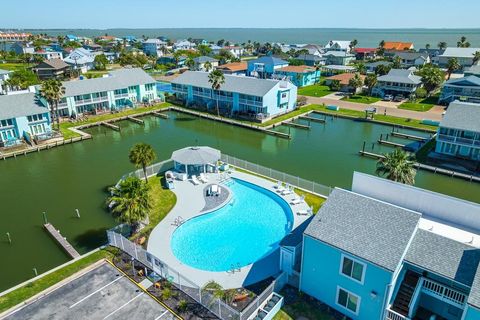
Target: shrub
166	294
301	101
421	93
182	306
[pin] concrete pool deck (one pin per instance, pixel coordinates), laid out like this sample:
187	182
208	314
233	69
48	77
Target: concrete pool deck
190	203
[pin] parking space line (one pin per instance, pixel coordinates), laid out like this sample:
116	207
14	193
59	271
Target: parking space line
91	294
122	306
161	315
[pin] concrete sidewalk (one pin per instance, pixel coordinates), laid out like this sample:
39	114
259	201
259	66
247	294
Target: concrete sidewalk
433	114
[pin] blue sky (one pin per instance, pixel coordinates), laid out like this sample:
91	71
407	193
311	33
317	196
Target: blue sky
240	13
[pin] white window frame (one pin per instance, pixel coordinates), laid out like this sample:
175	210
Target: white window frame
364	268
359	300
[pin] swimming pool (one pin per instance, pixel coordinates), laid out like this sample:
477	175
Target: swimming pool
240	233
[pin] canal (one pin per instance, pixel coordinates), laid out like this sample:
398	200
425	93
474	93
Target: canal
76	176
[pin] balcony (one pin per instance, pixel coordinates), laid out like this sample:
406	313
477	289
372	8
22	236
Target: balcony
458	140
121	95
251	102
83	101
103	98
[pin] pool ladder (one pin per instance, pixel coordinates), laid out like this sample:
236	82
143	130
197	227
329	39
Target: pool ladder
234	269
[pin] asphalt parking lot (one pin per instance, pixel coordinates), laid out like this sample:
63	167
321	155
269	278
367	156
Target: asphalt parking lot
102	293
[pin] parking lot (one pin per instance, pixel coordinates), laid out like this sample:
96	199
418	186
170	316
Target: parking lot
102	293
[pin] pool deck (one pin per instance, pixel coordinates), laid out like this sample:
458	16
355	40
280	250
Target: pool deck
190	203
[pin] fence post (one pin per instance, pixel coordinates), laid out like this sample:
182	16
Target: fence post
219	309
121	240
135	249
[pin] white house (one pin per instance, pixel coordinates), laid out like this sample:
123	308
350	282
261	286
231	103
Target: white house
4	75
413	59
81	59
183	45
154	47
201	61
338	45
48	55
235	50
463	55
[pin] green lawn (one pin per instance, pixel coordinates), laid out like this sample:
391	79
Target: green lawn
301	308
12	66
67	134
420	105
357	98
29	290
316	90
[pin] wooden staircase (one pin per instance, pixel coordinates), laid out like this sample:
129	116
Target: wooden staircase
405	293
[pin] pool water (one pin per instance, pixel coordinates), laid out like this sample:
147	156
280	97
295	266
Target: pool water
240	233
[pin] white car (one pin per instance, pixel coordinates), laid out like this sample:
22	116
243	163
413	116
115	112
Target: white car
387	97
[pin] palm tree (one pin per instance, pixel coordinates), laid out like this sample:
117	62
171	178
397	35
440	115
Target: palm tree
397	166
53	91
131	201
442	45
355	82
427	46
463	43
397	63
370	81
217	79
207	66
452	65
141	156
476	57
353	44
190	63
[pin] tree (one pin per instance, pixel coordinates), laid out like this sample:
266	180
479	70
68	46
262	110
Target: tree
53	90
463	43
141	156
335	85
476	57
207	66
131	201
432	77
452	66
355	82
427	46
382	69
204	50
217	79
353	44
190	64
295	62
397	166
370	81
397	63
442	45
22	79
361	68
101	62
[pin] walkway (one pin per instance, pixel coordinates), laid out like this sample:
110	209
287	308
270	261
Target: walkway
433	114
190	203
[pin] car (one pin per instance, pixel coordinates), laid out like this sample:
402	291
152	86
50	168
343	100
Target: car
387	97
399	98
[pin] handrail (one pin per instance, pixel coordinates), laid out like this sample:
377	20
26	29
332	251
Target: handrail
444	293
415	295
392	315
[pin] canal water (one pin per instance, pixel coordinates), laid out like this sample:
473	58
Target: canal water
77	176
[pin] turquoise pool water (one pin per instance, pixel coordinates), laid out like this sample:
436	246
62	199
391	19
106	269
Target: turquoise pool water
240	233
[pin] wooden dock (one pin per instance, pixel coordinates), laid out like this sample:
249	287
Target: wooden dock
109	125
160	115
407	136
313	119
295	125
133	119
277	133
61	240
391	144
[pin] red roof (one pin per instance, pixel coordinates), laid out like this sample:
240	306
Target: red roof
365	50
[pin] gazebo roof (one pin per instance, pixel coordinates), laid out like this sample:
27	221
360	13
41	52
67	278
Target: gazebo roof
196	155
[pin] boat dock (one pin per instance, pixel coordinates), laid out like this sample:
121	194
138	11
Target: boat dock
133	119
111	126
391	144
160	115
313	119
295	125
62	241
407	136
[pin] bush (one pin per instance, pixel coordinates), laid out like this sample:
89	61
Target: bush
421	93
166	294
182	306
301	101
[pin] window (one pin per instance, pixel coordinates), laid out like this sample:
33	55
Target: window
348	300
353	269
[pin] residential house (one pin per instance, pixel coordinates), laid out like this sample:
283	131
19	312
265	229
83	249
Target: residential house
463	55
464	89
200	63
338	45
264	67
257	99
338	58
433	53
387	250
365	53
183	45
171	59
397	82
13	36
52	69
299	75
412	59
93	47
71	37
81	59
47	54
202	42
344	81
120	89
459	131
215	49
472	71
313	49
23	116
398	46
234	68
22	48
154	47
236	51
311	59
4	75
372	66
55	46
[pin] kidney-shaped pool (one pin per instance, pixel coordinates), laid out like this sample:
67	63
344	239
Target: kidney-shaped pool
240	233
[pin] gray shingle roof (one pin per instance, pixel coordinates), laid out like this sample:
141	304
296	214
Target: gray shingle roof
474	296
401	76
118	79
52	64
367	228
204	59
462	116
411	55
471	81
443	256
20	105
196	155
245	85
452	52
475	70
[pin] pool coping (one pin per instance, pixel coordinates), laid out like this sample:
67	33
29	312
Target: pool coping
190	202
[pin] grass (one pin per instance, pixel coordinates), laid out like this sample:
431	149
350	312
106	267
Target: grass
163	200
301	308
13	66
67	134
316	90
420	105
360	98
29	290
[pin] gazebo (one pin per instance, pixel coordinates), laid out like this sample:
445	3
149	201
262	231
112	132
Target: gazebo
196	160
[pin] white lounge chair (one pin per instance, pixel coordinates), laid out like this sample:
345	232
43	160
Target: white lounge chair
214	189
202	178
281	188
297	200
195	180
307	212
288	190
278	185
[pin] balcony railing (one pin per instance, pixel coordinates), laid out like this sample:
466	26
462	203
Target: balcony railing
250	102
444	293
104	98
392	315
83	101
458	140
121	95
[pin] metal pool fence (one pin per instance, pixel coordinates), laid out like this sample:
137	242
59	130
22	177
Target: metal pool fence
205	298
278	175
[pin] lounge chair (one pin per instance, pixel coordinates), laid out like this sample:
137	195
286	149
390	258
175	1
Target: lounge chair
288	190
214	189
203	178
307	212
281	188
297	200
278	185
194	180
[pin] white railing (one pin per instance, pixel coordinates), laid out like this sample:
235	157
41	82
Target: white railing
392	315
444	293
